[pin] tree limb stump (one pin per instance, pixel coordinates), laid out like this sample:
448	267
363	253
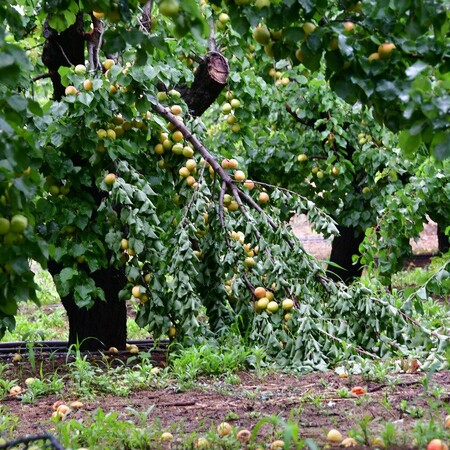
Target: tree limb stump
210	78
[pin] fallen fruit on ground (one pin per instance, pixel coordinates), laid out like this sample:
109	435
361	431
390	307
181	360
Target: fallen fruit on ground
243	435
76	404
334	436
202	443
224	429
277	445
378	442
166	436
57	404
349	442
437	444
15	390
358	390
30	381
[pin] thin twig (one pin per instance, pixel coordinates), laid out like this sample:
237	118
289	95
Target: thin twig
40	77
358	349
221	196
212	40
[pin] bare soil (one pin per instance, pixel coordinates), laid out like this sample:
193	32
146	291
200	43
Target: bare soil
312	400
314	243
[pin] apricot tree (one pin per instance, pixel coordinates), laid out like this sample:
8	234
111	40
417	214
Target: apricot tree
129	197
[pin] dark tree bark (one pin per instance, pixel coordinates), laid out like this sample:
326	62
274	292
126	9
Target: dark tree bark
105	324
343	248
443	240
210	78
63	49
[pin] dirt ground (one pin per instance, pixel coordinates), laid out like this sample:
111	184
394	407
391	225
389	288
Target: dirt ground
321	248
314	401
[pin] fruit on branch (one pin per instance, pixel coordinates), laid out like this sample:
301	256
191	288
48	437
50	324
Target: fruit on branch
71	90
231	120
308	28
18	223
176	110
259	292
233	206
87	85
224	18
235	103
272	306
249	184
190	180
263	197
249	261
111	134
226	108
172	331
262	304
110	179
184	172
229	163
261	35
349	26
80	68
177	136
385	50
4	225
136	291
287	304
302	157
239	175
169	8
98	14
108	63
374	56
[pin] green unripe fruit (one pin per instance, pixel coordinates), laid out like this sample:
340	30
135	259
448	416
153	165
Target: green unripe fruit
226	108
177	149
235	103
261	35
188	152
169	8
4	226
18	223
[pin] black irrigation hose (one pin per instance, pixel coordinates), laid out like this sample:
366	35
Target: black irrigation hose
52	444
9	349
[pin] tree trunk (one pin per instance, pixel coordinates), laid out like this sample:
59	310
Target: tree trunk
105	324
343	248
443	240
63	49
